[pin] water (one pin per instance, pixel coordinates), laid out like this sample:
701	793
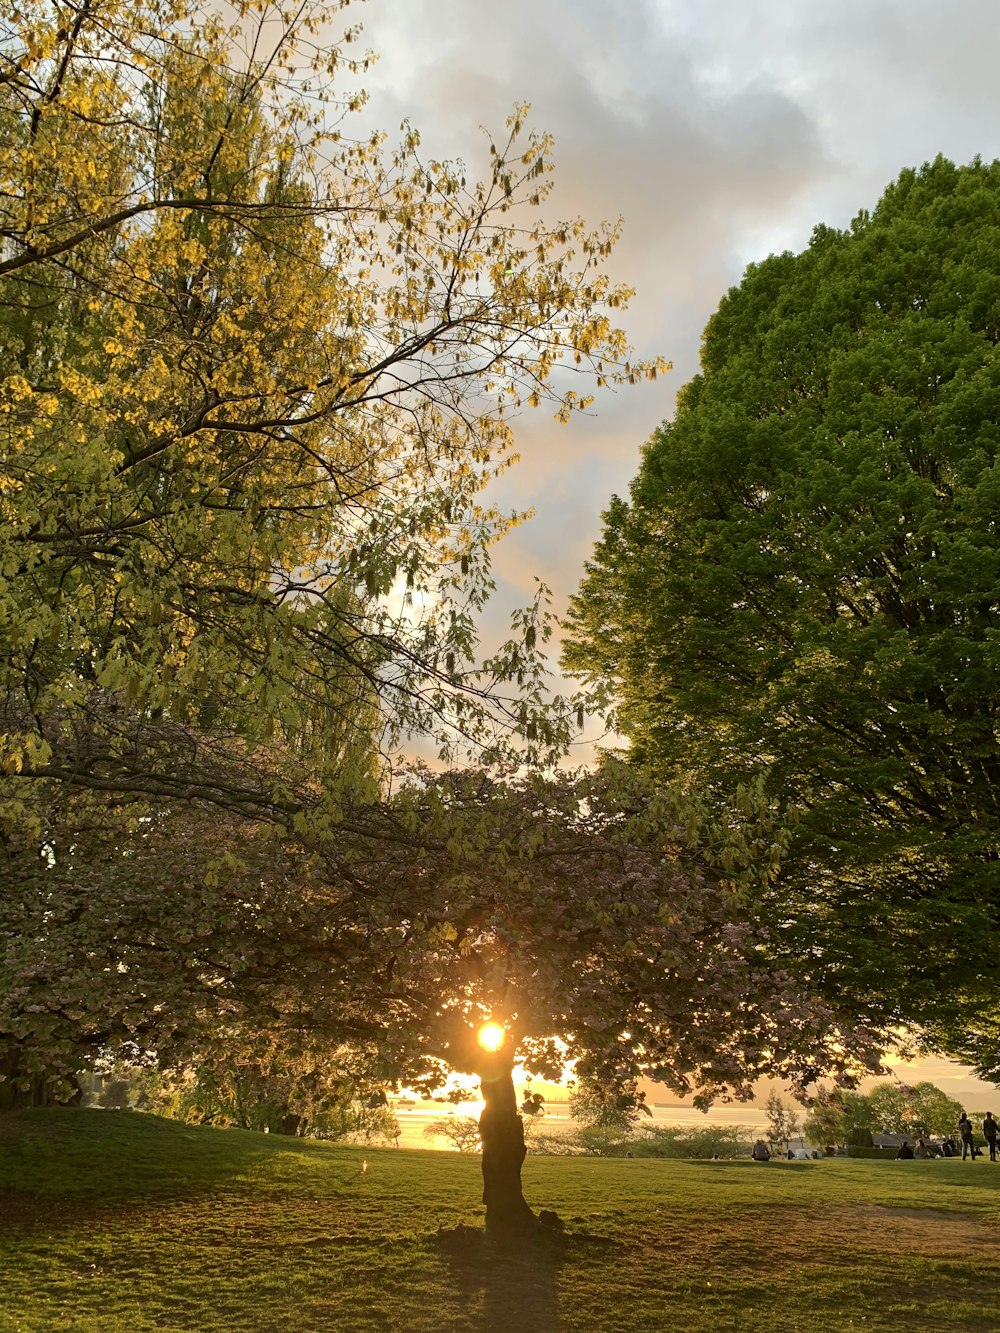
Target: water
413	1120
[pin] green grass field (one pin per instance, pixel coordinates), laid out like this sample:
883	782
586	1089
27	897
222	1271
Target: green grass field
117	1221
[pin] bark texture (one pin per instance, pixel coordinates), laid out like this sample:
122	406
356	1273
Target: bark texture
502	1132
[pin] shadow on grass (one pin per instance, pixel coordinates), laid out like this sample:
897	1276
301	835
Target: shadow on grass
518	1277
775	1164
122	1156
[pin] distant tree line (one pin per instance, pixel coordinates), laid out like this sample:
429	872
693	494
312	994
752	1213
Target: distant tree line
920	1110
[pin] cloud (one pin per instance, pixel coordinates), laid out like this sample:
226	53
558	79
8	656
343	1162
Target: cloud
644	131
641	132
719	132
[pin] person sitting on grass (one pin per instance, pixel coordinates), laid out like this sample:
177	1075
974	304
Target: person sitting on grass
761	1152
904	1152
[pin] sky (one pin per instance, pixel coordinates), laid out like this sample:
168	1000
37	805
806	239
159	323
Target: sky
720	131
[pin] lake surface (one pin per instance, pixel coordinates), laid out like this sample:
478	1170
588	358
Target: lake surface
413	1120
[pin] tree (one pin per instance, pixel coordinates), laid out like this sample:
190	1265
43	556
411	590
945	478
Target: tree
274	1096
607	1112
612	1108
461	1131
470	923
169	935
973	1038
838	1116
804	587
920	1111
782	1121
115	1094
254	377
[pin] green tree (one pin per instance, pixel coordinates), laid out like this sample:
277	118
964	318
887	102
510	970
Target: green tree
782	1121
919	1110
115	1094
837	1116
611	1106
804	586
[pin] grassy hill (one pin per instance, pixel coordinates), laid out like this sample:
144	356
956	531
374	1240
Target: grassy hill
113	1222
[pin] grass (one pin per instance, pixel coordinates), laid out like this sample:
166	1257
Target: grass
113	1222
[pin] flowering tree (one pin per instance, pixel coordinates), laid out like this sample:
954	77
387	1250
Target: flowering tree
593	920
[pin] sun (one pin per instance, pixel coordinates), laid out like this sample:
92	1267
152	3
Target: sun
491	1036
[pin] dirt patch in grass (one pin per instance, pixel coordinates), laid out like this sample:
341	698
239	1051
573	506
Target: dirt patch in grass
928	1231
926	1214
835	1236
24	1212
916	1232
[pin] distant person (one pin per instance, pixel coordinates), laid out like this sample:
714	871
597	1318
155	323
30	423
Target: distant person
921	1149
949	1148
761	1152
965	1134
904	1153
990	1134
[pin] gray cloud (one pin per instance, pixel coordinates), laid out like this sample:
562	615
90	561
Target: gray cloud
640	130
645	129
720	131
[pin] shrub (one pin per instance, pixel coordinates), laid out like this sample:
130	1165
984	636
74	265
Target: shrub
115	1094
710	1141
461	1131
555	1144
650	1141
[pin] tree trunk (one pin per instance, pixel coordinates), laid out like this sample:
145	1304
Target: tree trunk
39	1091
502	1132
290	1124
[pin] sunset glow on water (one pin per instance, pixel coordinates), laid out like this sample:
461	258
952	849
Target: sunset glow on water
956	1080
413	1120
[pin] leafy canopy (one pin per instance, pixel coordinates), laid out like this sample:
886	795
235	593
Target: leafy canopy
804	585
255	375
920	1110
592	917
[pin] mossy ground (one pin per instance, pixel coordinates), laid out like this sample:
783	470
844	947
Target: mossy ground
115	1222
